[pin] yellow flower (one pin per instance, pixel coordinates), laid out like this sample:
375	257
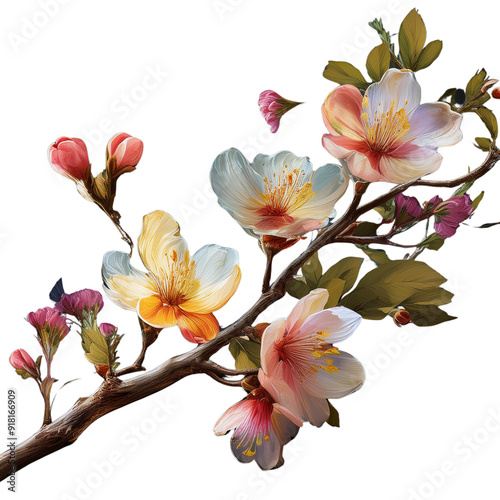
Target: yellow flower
177	289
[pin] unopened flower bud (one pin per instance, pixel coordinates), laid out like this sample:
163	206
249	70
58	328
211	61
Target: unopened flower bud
273	107
107	329
23	362
496	93
402	317
69	157
259	329
126	152
102	370
274	244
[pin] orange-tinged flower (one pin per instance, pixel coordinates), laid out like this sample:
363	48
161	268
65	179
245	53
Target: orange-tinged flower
177	289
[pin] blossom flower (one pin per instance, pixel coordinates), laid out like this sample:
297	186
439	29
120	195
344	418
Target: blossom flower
177	289
77	303
69	157
273	107
449	214
262	428
24	364
408	211
276	195
51	328
126	150
387	135
301	368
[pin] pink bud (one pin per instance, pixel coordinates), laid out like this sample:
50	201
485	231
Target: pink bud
77	303
21	360
126	149
273	107
69	157
451	213
107	329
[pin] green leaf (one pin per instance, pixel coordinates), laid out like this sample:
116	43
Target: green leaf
432	242
483	143
490	120
377	255
246	353
334	418
378	61
297	287
428	55
99	349
434	297
463	188
346	269
387	210
335	289
412	35
312	271
345	73
366	229
389	285
475	84
428	315
477	200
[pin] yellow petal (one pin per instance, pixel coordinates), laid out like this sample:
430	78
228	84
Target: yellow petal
160	240
197	328
154	312
126	291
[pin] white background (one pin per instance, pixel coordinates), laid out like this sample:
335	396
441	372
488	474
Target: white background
83	71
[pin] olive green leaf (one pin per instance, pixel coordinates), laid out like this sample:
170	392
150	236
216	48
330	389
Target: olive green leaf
490	120
346	269
428	315
477	200
378	61
377	255
345	73
428	55
334	418
312	271
412	35
246	353
432	242
297	287
483	143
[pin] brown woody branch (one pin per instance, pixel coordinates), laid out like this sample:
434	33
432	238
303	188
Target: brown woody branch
115	393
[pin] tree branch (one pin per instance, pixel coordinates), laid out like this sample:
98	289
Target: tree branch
115	393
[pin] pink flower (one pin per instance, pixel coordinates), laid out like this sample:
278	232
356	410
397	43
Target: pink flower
51	328
127	151
77	303
300	366
387	135
449	214
262	428
69	157
23	362
107	329
273	107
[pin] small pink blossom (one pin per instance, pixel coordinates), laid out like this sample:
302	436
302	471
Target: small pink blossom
107	329
301	368
127	151
69	157
262	428
408	211
51	328
77	303
449	214
273	107
21	360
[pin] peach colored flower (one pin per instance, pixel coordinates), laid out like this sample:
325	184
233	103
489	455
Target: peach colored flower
277	195
177	289
262	428
387	135
127	151
301	368
69	157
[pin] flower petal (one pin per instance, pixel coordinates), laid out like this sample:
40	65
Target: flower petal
409	162
342	111
329	185
339	322
269	355
282	162
313	302
397	88
123	283
154	312
347	376
232	417
218	274
160	240
238	187
435	124
197	328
